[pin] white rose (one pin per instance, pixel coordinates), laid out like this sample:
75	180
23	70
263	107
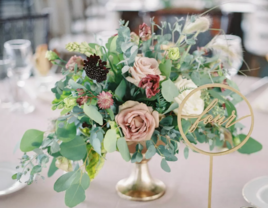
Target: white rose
64	164
195	104
142	67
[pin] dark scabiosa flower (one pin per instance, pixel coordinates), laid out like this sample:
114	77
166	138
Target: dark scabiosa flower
95	68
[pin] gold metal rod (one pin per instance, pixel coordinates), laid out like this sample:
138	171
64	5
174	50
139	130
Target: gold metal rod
210	181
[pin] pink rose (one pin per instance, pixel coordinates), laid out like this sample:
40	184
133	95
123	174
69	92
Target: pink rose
145	32
142	67
75	60
151	84
137	120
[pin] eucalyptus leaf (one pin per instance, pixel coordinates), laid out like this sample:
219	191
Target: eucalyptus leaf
164	165
165	67
150	152
67	132
74	150
123	148
74	195
251	146
172	107
186	152
110	140
92	112
169	90
74	85
121	90
52	168
65	181
31	140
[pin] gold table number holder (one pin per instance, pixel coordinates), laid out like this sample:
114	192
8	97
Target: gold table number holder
217	119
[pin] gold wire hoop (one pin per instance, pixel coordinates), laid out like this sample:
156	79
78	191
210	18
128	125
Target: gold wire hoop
180	116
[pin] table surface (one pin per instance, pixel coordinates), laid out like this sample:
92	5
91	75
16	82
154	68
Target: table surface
187	184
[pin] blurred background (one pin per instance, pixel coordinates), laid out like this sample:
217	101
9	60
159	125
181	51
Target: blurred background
57	22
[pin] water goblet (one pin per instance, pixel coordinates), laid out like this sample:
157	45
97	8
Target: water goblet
20	53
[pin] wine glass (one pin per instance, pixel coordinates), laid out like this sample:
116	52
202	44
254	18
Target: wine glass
20	53
5	99
232	58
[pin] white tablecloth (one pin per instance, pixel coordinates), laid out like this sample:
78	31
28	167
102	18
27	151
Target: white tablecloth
187	184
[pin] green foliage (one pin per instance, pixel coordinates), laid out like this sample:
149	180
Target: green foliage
110	140
150	152
169	90
94	162
121	90
74	150
92	112
165	68
31	140
123	148
52	168
186	152
251	145
160	104
164	165
74	195
67	132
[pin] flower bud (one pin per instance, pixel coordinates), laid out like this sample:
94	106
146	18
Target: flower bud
51	56
134	38
174	53
64	164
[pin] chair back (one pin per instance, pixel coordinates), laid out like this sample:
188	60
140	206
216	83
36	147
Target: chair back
32	27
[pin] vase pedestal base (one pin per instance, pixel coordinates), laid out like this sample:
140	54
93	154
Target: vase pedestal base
140	186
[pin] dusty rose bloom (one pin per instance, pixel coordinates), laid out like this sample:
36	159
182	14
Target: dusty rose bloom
142	67
105	100
151	84
75	60
137	120
145	32
82	100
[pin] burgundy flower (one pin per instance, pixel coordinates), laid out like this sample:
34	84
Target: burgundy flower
82	100
95	68
145	32
80	91
151	84
105	100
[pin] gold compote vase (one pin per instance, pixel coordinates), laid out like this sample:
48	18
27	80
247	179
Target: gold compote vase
140	186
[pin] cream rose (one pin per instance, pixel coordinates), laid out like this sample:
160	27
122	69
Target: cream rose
195	104
141	68
137	121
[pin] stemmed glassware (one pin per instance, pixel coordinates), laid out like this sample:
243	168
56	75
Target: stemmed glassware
20	53
232	58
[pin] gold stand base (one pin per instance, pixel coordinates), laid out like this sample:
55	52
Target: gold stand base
140	186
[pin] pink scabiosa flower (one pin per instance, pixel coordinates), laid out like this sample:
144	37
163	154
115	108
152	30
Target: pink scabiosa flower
82	100
73	61
151	84
145	32
105	100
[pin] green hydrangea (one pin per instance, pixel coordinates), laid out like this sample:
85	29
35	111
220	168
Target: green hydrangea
174	53
69	102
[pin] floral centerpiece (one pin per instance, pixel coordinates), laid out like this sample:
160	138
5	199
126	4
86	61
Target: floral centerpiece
128	93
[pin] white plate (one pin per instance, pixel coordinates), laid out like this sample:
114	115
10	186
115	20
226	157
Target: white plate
255	192
7	184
